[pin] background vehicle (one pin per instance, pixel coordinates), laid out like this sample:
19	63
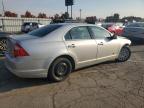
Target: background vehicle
135	32
116	28
30	26
107	25
3	38
58	49
0	27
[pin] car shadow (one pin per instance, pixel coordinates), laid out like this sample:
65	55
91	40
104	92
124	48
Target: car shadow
100	64
15	82
9	82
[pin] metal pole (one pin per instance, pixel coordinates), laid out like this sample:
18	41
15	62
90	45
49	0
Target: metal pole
67	9
3	8
71	12
80	13
3	26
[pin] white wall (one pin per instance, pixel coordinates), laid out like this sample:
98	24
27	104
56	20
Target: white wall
11	24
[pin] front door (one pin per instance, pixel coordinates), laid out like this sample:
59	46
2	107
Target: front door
107	48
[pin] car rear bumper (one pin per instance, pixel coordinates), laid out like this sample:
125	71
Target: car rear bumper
13	66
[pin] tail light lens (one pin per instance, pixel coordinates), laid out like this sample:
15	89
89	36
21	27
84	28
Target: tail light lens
19	51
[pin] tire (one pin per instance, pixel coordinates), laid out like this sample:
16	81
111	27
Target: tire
59	70
124	54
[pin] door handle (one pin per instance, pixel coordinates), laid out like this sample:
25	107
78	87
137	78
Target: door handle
101	43
71	46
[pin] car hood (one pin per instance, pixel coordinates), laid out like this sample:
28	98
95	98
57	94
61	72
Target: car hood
121	37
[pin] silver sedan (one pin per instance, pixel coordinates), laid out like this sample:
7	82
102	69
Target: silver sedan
54	51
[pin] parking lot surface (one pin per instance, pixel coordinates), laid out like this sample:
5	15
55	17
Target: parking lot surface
107	85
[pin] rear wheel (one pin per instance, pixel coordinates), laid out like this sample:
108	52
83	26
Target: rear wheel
60	70
124	54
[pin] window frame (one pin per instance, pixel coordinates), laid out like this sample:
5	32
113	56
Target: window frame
89	27
71	39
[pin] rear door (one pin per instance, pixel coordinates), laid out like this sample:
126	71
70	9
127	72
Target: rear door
80	44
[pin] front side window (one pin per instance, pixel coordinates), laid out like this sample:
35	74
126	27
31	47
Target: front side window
80	33
99	33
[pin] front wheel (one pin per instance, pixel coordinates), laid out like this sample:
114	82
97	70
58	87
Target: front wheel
124	54
60	70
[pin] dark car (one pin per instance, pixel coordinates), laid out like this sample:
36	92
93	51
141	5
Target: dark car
3	38
30	26
135	32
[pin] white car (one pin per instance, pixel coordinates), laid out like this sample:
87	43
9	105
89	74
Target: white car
54	51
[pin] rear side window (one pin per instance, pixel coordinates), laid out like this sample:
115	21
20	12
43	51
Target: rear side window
77	33
34	24
25	24
44	30
68	36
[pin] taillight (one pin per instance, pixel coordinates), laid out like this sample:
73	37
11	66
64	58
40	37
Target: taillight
19	51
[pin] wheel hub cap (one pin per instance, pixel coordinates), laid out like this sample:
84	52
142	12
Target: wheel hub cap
61	69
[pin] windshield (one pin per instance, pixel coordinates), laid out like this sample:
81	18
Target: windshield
44	30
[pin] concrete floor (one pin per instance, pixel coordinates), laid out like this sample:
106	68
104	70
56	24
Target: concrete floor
107	85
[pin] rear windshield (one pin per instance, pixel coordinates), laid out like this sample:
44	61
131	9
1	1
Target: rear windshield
44	30
26	24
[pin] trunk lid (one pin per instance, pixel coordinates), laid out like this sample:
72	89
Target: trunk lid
13	39
23	37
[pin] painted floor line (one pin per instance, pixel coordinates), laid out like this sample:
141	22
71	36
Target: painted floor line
135	60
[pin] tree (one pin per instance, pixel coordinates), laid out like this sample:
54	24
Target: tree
42	15
10	14
28	15
109	19
56	16
57	19
116	17
91	20
65	15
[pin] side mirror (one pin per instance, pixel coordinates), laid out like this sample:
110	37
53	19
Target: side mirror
113	36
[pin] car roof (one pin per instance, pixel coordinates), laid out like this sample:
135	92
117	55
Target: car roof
74	24
29	22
